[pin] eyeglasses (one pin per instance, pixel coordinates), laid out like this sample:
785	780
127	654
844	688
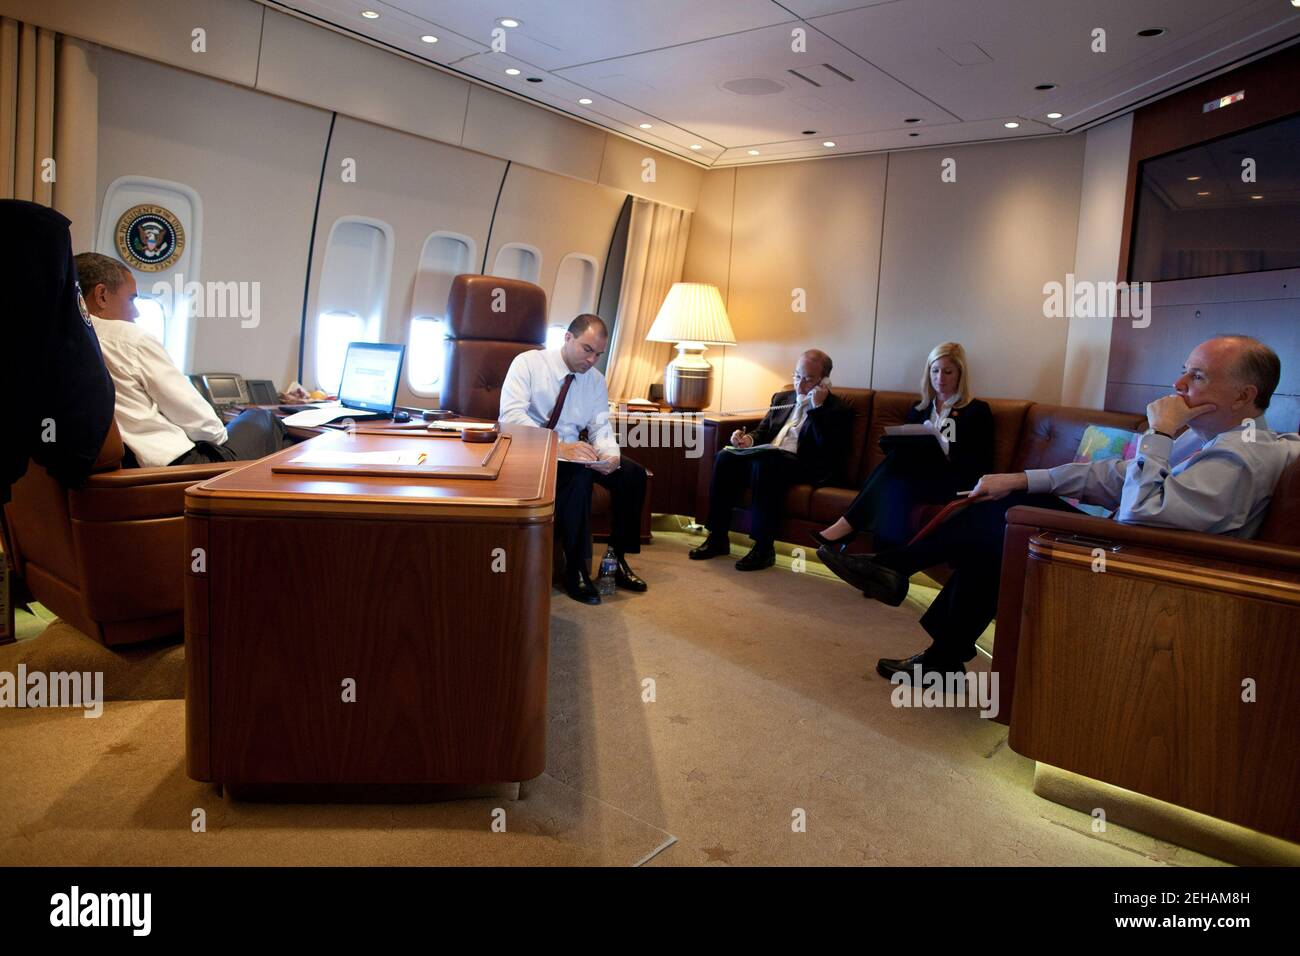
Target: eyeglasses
806	378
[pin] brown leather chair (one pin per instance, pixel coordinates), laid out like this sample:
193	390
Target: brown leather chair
481	343
480	347
108	557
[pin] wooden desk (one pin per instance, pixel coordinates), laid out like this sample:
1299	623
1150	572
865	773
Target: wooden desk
432	597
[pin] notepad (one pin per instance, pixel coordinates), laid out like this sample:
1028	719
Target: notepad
925	430
333	456
462	426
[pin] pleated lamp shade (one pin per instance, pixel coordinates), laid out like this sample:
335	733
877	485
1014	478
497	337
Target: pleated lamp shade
692	312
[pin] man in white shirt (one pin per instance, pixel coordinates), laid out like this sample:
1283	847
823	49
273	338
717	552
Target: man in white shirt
161	416
562	389
1209	463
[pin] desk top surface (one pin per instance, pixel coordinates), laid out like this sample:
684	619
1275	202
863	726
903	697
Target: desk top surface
524	489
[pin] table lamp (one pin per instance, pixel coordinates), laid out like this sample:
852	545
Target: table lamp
694	318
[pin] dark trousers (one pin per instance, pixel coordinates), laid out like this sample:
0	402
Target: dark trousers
626	487
970	542
255	434
908	477
768	474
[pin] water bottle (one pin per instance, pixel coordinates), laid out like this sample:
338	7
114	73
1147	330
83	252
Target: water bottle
608	568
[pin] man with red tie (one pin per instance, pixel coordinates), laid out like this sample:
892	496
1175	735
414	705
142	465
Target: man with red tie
561	389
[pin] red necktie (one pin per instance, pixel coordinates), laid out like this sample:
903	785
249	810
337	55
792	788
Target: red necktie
559	401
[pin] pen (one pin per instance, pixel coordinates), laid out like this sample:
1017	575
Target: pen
420	460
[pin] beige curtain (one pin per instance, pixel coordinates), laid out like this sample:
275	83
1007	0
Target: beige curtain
49	110
656	249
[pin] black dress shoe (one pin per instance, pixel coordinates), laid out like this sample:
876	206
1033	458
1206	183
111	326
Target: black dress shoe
872	579
760	556
834	544
711	548
580	588
625	577
888	667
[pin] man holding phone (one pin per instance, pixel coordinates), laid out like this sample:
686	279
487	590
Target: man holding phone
803	438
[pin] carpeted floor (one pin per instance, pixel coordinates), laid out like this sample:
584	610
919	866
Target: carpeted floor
766	711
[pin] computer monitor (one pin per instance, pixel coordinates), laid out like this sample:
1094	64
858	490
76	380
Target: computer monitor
371	373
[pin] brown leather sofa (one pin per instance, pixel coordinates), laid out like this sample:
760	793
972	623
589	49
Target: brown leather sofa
109	557
1025	434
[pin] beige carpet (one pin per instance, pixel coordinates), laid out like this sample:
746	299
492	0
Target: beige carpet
766	704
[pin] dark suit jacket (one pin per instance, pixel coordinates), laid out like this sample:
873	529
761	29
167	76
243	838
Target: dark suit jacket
823	440
971	451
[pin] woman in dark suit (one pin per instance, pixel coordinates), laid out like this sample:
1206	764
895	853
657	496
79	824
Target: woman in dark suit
918	470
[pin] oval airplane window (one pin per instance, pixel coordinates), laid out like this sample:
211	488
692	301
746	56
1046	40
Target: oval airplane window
151	317
445	255
575	289
515	260
353	293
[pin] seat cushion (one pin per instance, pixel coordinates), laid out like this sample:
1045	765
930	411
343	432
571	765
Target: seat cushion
1282	520
829	503
474	371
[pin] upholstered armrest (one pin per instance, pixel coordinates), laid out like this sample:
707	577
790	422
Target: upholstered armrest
131	494
1186	543
715	433
1252	564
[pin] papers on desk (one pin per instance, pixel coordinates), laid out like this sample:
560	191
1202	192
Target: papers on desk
332	456
327	412
461	426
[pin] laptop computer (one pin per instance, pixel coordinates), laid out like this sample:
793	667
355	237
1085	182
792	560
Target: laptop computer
371	373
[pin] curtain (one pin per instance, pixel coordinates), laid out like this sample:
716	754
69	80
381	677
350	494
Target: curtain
49	110
656	250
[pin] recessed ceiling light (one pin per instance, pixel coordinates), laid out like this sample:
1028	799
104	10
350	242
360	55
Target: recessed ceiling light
1045	86
429	38
509	22
511	71
1011	125
1203	193
1257	195
1151	32
1053	115
753	152
696	146
1192	179
912	120
370	14
829	143
647	126
585	101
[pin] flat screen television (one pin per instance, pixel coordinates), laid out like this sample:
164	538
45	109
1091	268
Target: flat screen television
1222	207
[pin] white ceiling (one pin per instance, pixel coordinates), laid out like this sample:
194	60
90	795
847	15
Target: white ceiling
962	68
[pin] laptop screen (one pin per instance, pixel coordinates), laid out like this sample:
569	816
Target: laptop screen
371	373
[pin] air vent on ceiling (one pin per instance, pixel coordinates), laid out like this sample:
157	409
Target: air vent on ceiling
822	75
753	86
966	54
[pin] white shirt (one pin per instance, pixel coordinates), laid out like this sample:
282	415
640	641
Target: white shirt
1220	485
159	412
533	384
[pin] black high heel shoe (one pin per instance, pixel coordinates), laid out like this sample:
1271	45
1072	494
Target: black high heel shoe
834	544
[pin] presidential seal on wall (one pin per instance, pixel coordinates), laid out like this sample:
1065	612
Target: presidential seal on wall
149	238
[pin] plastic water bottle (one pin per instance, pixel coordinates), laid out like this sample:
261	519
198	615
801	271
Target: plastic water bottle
608	568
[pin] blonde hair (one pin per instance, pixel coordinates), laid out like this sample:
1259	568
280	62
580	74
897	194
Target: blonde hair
954	352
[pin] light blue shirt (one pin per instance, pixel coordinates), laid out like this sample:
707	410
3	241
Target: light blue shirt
1220	485
533	384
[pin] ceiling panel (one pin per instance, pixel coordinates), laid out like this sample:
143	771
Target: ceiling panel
558	33
825	88
961	68
1028	42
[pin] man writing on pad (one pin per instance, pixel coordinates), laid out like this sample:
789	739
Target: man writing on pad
1207	463
561	389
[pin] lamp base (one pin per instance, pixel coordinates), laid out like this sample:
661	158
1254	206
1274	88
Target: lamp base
688	379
